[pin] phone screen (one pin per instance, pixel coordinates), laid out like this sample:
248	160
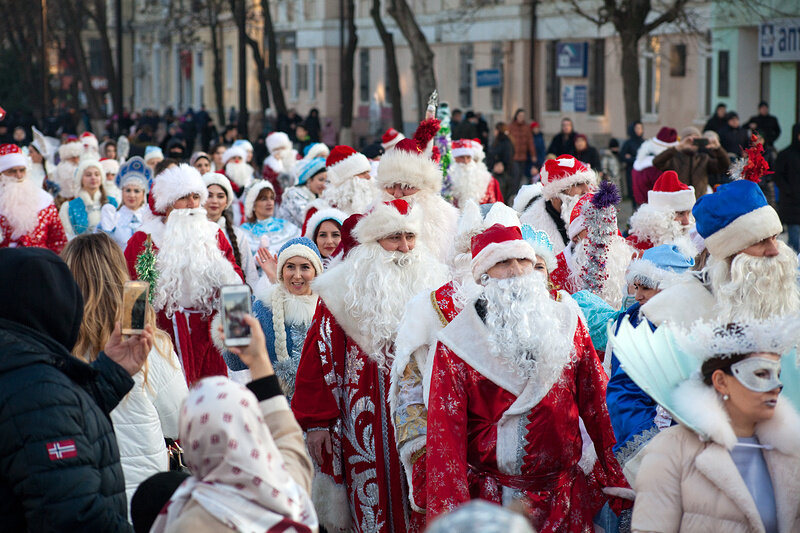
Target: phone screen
235	305
134	307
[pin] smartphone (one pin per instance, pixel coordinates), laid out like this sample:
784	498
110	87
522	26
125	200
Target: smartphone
134	306
235	301
701	142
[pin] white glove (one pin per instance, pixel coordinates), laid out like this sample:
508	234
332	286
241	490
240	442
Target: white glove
109	216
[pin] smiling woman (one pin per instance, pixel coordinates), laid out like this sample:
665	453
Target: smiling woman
82	214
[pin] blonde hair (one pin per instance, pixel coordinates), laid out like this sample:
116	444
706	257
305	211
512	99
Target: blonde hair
99	269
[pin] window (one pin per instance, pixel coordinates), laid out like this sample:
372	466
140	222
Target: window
465	76
597	77
709	76
723	74
319	77
312	72
295	78
229	67
286	77
363	75
764	85
96	58
677	60
651	77
387	93
302	75
497	62
553	82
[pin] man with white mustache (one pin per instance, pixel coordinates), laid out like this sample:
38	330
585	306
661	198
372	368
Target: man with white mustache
469	177
193	260
278	166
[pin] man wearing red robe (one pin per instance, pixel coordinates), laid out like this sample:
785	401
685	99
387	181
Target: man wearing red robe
512	375
469	177
192	261
342	386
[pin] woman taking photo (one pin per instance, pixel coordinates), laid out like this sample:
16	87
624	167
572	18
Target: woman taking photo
263	229
311	181
324	228
732	461
220	196
150	410
82	214
134	180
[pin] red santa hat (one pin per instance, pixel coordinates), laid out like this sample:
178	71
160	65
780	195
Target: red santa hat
345	162
670	194
277	140
407	165
11	156
563	172
666	137
252	194
174	183
462	147
388	218
89	141
391	138
217	178
110	166
498	243
315	220
233	151
72	147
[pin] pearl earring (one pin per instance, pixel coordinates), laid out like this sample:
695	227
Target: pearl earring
726	397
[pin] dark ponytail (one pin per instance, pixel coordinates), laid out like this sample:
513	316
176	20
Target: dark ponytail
228	216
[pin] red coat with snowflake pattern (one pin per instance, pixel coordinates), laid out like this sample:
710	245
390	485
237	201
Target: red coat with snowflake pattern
49	232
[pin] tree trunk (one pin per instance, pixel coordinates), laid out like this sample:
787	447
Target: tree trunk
75	45
393	77
100	19
631	81
273	74
213	23
348	63
261	69
424	75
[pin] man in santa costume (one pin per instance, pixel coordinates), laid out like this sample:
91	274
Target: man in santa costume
666	218
597	257
342	386
750	274
278	166
563	181
28	216
350	187
69	154
644	174
469	178
110	170
512	375
187	259
237	170
390	138
90	144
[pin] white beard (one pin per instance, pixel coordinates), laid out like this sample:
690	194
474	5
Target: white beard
239	173
190	264
618	257
567	203
525	326
355	195
381	283
288	158
20	204
64	177
660	227
469	182
750	287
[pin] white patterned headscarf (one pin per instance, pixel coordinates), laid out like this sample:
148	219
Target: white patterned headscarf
238	473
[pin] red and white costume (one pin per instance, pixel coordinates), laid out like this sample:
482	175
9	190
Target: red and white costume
644	174
471	181
278	166
186	321
28	217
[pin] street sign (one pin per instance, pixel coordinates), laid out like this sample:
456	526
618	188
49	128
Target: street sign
490	77
779	40
581	98
571	59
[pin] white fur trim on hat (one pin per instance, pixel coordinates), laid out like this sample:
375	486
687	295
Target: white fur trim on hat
497	252
233	151
110	166
384	220
649	274
17	159
415	170
174	183
577	225
550	189
743	232
277	140
215	178
458	152
318	150
321	216
356	163
85	163
672	201
298	250
70	149
89	140
252	194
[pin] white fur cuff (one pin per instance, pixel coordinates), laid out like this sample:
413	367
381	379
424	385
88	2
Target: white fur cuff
745	231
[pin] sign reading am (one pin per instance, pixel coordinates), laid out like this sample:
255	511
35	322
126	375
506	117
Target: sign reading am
779	40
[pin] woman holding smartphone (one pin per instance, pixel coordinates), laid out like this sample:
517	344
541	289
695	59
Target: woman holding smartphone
149	412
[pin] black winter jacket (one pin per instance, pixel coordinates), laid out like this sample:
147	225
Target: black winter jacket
59	461
787	179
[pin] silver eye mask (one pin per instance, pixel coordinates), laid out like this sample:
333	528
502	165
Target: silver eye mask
758	374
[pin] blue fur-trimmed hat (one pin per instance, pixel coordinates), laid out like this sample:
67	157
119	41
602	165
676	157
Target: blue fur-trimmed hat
658	264
735	217
135	169
299	247
309	168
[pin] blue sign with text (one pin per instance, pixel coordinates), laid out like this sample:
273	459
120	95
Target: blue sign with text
571	59
581	96
490	77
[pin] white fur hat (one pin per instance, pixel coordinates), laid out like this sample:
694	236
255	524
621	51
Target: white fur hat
110	166
252	194
316	150
176	182
89	141
87	161
71	148
343	163
496	244
277	140
216	178
388	218
299	247
560	174
321	216
476	219
405	164
233	151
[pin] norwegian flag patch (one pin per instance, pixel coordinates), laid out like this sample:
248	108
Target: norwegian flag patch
63	449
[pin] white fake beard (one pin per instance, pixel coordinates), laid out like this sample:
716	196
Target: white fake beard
618	257
355	195
239	173
19	204
755	287
382	284
660	227
466	289
469	182
288	158
567	203
525	327
191	267
65	178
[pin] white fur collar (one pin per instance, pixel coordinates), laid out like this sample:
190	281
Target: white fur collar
297	309
331	288
703	408
682	303
44	199
155	228
83	194
537	217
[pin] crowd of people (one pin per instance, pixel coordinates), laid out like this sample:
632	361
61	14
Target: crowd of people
436	320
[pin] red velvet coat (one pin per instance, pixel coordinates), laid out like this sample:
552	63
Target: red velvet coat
559	277
48	233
